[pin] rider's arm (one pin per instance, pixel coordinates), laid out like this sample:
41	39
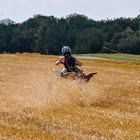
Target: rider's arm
78	62
60	61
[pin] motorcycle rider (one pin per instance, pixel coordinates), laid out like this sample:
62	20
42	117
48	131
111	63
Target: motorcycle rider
70	63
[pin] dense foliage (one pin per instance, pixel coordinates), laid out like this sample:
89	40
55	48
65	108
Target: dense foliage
47	35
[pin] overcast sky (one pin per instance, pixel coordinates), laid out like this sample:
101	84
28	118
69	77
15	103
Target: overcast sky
21	10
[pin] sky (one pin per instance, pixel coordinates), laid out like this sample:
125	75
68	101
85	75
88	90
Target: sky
21	10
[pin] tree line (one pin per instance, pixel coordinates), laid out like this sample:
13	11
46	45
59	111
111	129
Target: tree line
48	34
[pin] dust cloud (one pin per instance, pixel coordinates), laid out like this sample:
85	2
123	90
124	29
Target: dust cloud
37	85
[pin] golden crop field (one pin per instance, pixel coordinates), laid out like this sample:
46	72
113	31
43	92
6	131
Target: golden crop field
36	104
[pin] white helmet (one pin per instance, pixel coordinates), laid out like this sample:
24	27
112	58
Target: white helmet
66	49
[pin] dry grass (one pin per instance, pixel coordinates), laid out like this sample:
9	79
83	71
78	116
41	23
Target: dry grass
38	105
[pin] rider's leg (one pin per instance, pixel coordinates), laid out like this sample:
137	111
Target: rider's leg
79	71
64	70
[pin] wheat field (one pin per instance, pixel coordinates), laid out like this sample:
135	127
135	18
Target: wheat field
36	104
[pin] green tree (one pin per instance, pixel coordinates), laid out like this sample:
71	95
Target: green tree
6	32
89	41
131	44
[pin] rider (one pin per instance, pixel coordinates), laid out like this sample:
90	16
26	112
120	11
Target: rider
70	63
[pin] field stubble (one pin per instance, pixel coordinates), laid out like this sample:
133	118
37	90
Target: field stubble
37	104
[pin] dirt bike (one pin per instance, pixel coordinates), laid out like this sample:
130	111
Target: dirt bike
74	75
